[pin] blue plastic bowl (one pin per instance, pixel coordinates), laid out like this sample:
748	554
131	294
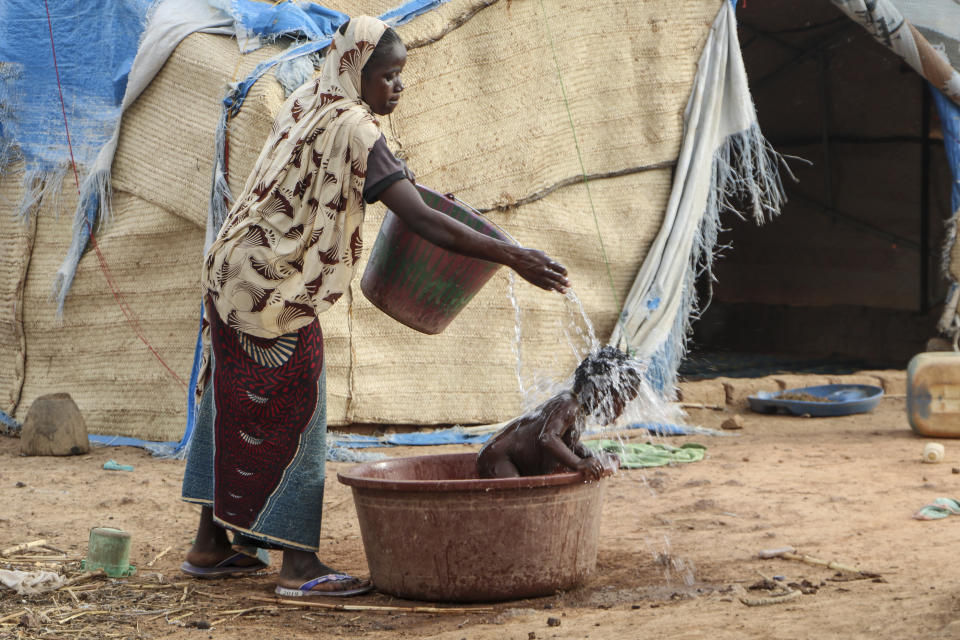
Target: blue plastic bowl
838	400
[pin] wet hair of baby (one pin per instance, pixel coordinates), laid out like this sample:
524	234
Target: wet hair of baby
602	374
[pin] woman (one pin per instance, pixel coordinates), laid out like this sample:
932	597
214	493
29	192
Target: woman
287	252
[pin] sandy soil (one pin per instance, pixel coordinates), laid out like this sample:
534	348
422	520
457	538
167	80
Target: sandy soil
678	548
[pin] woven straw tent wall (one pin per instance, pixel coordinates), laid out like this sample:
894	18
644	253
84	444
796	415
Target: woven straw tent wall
506	136
94	355
483	117
152	245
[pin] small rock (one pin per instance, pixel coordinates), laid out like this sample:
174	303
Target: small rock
553	622
955	470
54	427
197	624
20	485
28	621
532	636
745	459
733	423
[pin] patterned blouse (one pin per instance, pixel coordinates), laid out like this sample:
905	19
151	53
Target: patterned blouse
288	249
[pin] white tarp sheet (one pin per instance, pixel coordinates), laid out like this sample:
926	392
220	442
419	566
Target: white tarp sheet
723	154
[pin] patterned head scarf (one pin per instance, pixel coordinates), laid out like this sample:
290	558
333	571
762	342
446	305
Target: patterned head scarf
288	249
349	53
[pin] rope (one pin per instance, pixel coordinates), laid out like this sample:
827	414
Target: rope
454	24
118	296
506	205
583	170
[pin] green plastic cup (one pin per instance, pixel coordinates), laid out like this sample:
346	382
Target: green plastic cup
109	549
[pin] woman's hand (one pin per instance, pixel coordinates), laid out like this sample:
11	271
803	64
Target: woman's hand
538	269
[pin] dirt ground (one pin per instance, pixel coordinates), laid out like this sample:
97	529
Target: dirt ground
677	553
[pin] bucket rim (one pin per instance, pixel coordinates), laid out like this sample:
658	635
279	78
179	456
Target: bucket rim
460	203
357	477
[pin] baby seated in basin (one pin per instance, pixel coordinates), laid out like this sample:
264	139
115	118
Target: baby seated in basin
547	440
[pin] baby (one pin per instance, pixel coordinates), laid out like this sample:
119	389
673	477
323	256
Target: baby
547	440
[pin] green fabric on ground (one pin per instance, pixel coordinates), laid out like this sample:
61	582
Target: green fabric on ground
636	455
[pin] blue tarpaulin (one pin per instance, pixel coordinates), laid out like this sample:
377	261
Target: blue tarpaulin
266	22
96	41
458	435
949	112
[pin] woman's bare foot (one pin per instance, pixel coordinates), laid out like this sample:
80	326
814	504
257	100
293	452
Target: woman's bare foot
212	546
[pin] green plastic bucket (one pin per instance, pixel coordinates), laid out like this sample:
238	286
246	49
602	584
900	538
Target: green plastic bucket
109	549
418	283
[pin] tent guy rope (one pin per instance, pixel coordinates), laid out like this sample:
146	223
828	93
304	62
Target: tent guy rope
576	144
117	294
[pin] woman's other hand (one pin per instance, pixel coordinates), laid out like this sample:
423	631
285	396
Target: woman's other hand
539	269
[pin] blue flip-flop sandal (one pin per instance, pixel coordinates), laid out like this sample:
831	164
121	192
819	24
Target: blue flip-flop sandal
307	588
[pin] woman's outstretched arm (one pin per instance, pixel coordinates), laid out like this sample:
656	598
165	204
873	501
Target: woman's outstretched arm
532	265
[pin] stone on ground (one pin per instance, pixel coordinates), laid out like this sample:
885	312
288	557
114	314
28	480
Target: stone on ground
54	427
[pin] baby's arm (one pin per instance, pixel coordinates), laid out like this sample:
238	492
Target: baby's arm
551	439
609	462
580	449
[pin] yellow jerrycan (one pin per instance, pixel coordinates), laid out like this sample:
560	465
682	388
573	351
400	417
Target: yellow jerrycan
933	394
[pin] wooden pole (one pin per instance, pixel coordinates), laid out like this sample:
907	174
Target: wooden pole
370	607
23	547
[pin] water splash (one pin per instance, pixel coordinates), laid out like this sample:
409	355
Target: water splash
647	406
583	339
517	331
673	567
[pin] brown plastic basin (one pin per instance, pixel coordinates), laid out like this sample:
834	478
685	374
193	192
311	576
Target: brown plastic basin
433	530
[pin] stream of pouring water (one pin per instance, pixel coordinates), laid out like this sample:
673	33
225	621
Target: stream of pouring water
649	406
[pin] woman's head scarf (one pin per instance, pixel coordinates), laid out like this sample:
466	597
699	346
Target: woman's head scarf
349	53
288	249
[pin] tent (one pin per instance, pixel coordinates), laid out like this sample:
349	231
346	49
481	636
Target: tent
610	135
855	271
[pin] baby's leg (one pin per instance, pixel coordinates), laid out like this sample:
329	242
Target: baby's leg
504	468
494	464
